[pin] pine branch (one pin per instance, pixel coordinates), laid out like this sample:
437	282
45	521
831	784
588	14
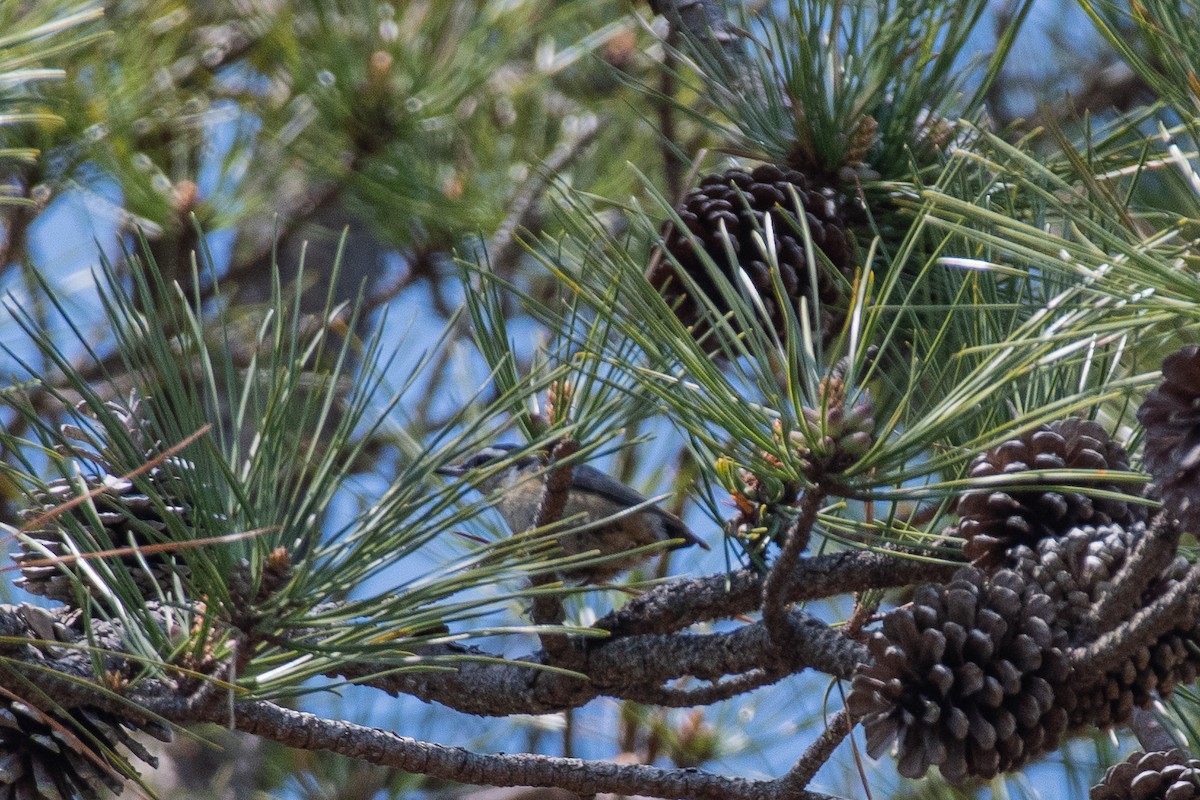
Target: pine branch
817	754
66	674
310	732
685	602
504	248
1151	556
486	685
1147	625
782	575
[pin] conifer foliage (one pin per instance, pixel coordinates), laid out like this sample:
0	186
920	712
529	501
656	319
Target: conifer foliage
927	387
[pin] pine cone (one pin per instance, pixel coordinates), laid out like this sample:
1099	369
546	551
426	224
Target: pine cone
41	760
1149	673
993	521
1171	417
1078	570
836	433
1152	670
967	679
126	515
1161	775
740	202
274	571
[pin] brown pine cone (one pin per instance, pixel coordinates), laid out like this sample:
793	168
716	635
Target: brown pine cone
1151	671
44	761
1076	569
739	203
970	678
993	521
1079	570
122	513
1171	416
1161	775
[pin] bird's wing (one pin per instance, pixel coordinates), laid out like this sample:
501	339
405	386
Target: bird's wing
590	479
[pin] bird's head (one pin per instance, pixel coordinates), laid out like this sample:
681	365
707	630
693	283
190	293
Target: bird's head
490	456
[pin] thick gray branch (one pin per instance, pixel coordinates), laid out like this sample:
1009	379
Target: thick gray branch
640	657
1147	625
1151	556
681	603
644	653
159	699
637	657
621	668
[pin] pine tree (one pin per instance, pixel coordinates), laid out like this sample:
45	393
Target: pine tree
923	377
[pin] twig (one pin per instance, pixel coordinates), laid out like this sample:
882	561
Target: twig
665	106
504	248
14	224
864	611
547	606
703	25
145	467
670	697
1150	732
779	580
1151	555
1147	625
793	783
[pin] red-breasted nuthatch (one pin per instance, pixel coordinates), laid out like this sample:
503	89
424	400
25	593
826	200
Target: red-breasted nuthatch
599	502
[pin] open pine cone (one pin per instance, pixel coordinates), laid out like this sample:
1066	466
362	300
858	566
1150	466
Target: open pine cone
1161	775
44	758
121	513
1171	417
738	203
1077	571
967	679
993	521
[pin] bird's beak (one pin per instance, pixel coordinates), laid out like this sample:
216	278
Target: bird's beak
451	471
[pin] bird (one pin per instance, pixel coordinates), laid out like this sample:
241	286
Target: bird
595	499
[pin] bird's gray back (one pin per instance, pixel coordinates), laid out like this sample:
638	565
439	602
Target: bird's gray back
590	479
